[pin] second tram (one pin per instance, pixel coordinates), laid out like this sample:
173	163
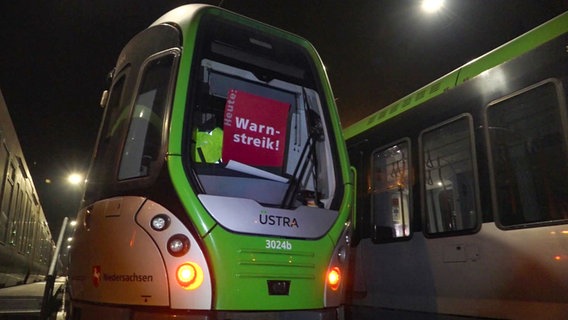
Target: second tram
462	193
26	245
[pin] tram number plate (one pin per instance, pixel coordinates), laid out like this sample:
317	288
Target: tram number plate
278	244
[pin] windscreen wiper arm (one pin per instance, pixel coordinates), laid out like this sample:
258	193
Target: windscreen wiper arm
308	155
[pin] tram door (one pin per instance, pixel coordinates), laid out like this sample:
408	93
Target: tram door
390	196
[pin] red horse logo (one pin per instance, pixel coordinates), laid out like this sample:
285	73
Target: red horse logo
96	276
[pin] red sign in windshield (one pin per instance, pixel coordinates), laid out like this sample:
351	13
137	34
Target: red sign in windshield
254	129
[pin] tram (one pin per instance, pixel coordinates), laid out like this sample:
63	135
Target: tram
26	245
462	201
219	186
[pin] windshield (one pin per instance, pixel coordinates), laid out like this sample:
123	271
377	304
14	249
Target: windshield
261	140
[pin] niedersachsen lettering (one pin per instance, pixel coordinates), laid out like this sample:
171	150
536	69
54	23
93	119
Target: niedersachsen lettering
128	277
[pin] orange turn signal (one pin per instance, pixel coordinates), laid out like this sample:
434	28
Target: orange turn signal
334	278
189	275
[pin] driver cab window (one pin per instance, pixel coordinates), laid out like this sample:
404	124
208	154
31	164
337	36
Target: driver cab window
143	142
250	137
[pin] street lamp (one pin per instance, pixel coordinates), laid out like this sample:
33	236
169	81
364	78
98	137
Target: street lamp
75	178
431	6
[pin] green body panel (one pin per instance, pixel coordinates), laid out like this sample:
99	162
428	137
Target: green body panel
242	265
202	221
508	51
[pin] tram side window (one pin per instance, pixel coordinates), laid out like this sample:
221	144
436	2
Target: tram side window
390	192
109	143
528	151
449	178
143	142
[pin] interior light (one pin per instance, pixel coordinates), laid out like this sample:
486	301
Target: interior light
189	275
334	278
261	43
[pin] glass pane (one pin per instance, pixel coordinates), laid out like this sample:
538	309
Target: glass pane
144	138
449	177
391	192
259	140
115	124
528	152
256	126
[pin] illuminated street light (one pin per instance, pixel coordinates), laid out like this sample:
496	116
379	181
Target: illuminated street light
75	178
431	6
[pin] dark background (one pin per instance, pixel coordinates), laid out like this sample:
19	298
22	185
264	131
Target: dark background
54	57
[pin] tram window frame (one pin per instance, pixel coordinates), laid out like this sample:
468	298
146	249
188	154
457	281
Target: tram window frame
379	189
145	144
528	150
8	198
109	141
438	222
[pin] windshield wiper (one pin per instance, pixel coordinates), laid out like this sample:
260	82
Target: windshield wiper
307	157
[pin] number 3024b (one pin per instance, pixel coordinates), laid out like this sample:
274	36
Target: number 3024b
278	244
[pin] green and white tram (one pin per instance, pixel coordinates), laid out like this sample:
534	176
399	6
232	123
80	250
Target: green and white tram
462	191
219	186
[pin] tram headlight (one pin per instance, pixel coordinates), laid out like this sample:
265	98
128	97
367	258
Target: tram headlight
189	275
160	222
334	278
178	245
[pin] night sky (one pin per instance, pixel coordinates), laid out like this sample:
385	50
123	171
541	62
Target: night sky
54	57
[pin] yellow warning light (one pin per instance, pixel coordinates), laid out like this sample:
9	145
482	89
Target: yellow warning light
189	275
334	278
